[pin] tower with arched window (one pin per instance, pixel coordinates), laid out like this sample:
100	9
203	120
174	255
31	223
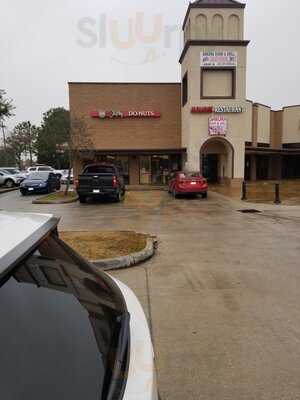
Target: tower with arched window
215	113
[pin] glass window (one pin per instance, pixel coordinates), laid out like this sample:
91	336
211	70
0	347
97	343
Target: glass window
45	169
184	89
99	169
60	328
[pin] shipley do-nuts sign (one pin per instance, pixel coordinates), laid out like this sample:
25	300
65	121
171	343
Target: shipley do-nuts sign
125	114
217	126
218	59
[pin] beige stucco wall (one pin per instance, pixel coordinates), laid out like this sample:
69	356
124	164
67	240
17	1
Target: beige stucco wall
291	125
229	24
263	124
195	126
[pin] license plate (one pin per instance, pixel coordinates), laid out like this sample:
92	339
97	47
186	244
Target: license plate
96	191
30	188
193	183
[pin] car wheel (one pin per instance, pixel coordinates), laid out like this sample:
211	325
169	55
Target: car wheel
23	192
204	195
82	199
9	183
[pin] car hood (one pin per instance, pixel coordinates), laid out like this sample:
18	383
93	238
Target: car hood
141	381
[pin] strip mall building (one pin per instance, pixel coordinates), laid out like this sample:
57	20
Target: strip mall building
202	123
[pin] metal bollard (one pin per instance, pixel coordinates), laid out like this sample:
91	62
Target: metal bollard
244	191
277	194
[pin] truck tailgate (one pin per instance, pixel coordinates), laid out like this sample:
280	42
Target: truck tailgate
90	182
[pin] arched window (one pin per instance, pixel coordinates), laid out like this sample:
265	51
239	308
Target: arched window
187	32
233	27
217	27
201	27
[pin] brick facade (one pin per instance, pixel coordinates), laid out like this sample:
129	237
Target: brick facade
129	134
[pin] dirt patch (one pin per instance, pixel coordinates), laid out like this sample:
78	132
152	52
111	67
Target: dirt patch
102	245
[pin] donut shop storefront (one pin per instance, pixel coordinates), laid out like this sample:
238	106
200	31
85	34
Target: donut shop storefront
134	126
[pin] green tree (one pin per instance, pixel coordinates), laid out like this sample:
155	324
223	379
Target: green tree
6	111
7	157
16	145
27	135
53	134
6	106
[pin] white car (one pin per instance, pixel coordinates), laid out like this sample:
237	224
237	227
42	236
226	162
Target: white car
9	180
15	171
68	330
44	168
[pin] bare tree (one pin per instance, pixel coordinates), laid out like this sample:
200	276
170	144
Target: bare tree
78	141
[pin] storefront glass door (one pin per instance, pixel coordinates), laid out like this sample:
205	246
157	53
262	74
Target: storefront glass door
156	169
160	169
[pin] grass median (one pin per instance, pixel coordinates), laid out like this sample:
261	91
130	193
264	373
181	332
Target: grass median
98	245
57	197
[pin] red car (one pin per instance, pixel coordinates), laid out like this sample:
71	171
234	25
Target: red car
185	183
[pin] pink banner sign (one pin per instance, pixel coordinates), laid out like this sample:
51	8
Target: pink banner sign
217	126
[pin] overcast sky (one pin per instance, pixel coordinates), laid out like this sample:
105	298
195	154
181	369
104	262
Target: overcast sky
45	44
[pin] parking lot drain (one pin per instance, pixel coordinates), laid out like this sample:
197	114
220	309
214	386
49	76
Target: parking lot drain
249	211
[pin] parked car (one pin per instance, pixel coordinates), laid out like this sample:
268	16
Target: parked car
15	171
40	182
100	180
68	330
188	184
9	180
43	168
65	175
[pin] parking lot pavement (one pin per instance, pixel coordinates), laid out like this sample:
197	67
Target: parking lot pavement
222	292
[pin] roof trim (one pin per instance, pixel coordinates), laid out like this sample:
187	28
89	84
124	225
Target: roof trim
123	83
135	151
261	105
242	43
23	249
199	5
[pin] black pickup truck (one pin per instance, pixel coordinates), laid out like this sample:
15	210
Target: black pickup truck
100	180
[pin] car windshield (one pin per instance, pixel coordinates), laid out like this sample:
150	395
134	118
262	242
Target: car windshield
36	176
99	169
186	175
61	327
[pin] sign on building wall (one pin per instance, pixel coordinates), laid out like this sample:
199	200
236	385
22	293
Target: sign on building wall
217	126
218	59
217	110
125	114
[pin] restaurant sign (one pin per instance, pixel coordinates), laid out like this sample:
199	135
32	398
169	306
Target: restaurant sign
217	126
124	114
217	109
218	59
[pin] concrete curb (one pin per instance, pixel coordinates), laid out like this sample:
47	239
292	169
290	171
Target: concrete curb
41	201
8	190
130	260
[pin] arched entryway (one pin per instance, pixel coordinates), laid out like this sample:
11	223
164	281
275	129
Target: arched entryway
217	160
